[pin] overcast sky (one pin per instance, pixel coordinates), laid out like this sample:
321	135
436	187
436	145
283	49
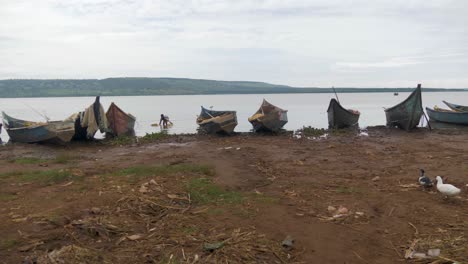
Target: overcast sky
395	43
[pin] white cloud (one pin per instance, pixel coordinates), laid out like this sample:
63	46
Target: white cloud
297	42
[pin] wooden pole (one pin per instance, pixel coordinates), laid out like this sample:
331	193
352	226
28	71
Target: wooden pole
424	113
333	87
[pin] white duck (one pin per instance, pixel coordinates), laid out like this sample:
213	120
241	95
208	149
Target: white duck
446	189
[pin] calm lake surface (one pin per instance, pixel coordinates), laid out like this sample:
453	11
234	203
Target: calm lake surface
303	109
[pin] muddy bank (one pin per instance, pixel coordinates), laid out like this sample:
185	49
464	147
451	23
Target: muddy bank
348	197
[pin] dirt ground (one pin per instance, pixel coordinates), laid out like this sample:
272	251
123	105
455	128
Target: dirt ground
346	198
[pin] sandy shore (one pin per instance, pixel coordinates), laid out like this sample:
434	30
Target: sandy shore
207	199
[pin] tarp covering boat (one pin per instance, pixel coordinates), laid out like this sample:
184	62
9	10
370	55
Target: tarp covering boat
447	116
120	123
88	122
339	117
212	122
35	132
269	118
455	107
407	114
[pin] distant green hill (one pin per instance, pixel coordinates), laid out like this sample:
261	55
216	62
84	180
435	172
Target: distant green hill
159	86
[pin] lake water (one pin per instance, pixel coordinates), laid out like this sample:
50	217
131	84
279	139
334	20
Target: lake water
303	109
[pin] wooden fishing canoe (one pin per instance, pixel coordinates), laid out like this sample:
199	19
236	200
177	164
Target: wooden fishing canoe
213	122
120	123
339	117
455	107
269	118
36	132
407	114
447	116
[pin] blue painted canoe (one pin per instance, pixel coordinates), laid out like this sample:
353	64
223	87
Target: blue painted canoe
34	132
447	116
407	114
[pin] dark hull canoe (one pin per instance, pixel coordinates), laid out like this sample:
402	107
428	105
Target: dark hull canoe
213	122
120	122
455	107
269	118
35	132
406	115
447	116
339	117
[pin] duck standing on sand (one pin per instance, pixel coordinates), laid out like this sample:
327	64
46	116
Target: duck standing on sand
424	180
446	189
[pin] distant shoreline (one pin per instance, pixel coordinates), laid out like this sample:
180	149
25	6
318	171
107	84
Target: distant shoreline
427	90
34	88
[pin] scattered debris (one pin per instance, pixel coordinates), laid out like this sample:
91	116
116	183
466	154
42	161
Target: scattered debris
67	184
71	254
144	188
363	133
30	246
288	242
134	237
212	246
343	210
376	178
95	210
434	252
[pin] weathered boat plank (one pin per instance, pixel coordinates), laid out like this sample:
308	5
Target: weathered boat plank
407	114
268	118
339	117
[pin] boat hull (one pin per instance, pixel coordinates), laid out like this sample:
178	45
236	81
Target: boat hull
121	123
217	122
269	118
33	132
455	107
339	117
407	114
450	117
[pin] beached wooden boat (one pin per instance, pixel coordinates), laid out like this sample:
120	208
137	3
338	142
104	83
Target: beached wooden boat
455	107
212	122
406	115
35	132
339	117
120	123
447	116
269	118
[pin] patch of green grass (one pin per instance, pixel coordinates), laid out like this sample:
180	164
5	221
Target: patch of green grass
7	243
204	191
340	132
7	197
348	190
121	140
145	171
312	131
47	177
28	160
262	198
190	230
216	211
64	158
154	136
